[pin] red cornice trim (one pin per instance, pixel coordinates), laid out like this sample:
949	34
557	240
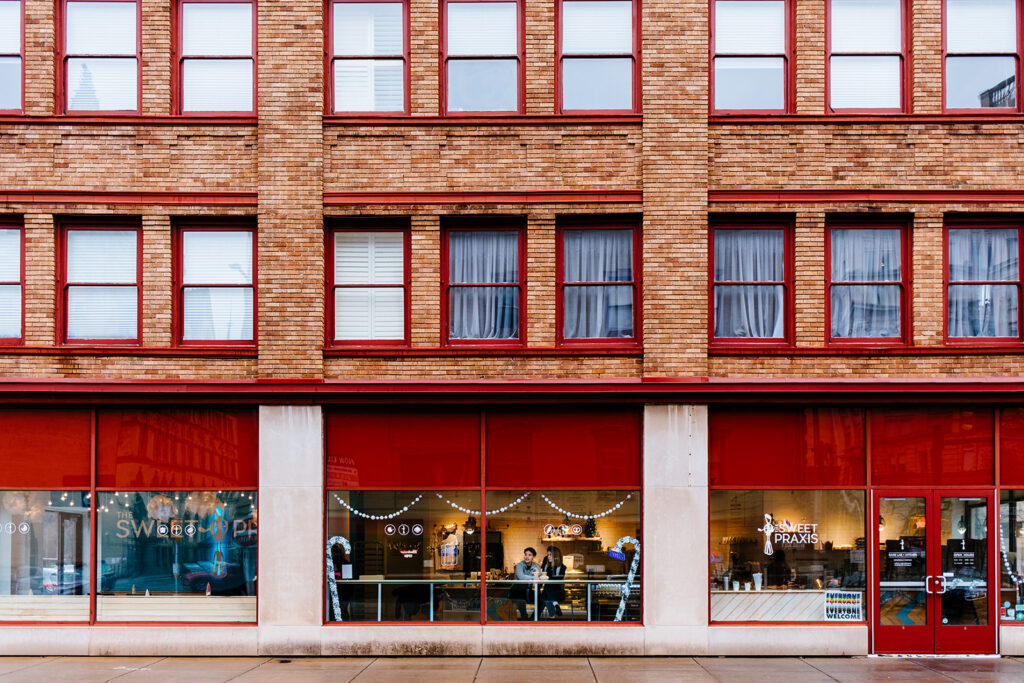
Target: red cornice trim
862	195
340	351
874	119
859	350
124	197
111	121
84	350
487	197
458	121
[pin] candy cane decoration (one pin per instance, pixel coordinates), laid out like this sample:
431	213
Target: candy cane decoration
332	581
628	586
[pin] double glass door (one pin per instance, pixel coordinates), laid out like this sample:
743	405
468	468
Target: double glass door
935	588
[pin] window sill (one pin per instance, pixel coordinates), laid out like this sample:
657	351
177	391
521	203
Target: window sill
487	119
867	350
126	350
130	119
335	352
845	119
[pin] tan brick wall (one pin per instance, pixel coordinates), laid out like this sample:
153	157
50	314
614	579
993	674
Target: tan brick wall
39	61
809	257
810	57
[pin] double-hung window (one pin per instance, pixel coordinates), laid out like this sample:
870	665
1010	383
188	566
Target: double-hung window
369	57
101	284
369	286
216	56
982	61
983	287
750	67
483	288
217	285
483	61
866	55
866	283
10	55
750	283
598	59
11	287
101	56
598	284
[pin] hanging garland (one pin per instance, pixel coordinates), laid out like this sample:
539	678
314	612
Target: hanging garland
575	516
332	580
394	514
506	508
627	587
1006	561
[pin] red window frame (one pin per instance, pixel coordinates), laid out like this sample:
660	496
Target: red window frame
520	60
906	318
967	224
764	222
367	225
63	283
634	55
16	225
20	55
63	56
178	306
178	77
903	54
623	223
330	58
788	56
1017	72
485	224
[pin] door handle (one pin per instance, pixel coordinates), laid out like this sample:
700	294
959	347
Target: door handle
928	584
943	579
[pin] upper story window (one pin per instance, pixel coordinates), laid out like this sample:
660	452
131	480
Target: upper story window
866	55
216	285
750	279
981	54
101	56
483	60
483	288
216	56
750	69
866	283
10	55
369	56
598	284
983	290
369	286
11	283
100	286
598	58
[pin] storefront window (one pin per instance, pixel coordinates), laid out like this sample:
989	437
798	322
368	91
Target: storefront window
787	556
177	556
1011	555
44	555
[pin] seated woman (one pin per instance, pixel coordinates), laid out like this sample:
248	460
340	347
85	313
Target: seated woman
553	593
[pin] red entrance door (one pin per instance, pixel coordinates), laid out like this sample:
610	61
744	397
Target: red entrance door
934	587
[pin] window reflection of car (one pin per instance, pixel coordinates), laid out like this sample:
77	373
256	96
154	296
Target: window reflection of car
195	576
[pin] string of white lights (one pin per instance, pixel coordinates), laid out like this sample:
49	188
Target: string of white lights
394	514
506	508
575	516
1016	578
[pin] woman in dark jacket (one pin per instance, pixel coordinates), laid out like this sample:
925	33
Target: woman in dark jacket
553	591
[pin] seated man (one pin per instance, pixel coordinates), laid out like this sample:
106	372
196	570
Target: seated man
526	570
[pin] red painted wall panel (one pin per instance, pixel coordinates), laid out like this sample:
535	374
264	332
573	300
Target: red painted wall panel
1011	447
45	448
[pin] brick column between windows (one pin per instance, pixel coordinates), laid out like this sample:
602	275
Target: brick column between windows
926	270
809	257
810	57
39	57
157	292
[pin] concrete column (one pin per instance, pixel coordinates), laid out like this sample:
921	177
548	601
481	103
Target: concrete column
291	510
675	544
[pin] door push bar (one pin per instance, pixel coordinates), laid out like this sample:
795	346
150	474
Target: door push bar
928	584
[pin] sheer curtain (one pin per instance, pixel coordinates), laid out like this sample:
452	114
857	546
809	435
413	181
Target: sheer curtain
749	310
489	258
982	256
866	310
594	310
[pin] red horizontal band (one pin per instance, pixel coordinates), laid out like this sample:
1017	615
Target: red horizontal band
863	350
487	197
483	351
862	195
597	120
126	197
85	350
130	120
874	119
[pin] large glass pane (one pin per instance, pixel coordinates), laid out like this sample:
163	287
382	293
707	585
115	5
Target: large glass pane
865	82
483	85
749	311
865	26
601	83
369	85
217	258
218	313
96	312
981	82
598	255
597	27
217	85
743	255
902	561
1011	553
403	556
981	26
101	28
983	310
211	29
750	82
983	254
964	547
102	84
102	255
10	82
369	258
177	556
482	28
365	28
866	255
10	27
483	313
45	564
598	311
483	256
861	311
10	255
369	313
10	311
563	555
787	556
745	27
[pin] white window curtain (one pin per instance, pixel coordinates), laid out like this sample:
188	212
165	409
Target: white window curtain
10	59
985	256
221	30
10	294
866	310
749	310
102	83
369	313
483	257
598	311
221	313
107	310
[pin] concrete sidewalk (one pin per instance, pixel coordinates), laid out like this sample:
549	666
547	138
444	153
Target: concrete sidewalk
502	670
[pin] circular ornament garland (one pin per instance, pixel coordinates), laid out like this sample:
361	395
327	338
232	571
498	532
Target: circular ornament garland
575	516
392	515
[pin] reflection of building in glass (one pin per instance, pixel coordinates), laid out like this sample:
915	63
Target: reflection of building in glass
85	96
1003	94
